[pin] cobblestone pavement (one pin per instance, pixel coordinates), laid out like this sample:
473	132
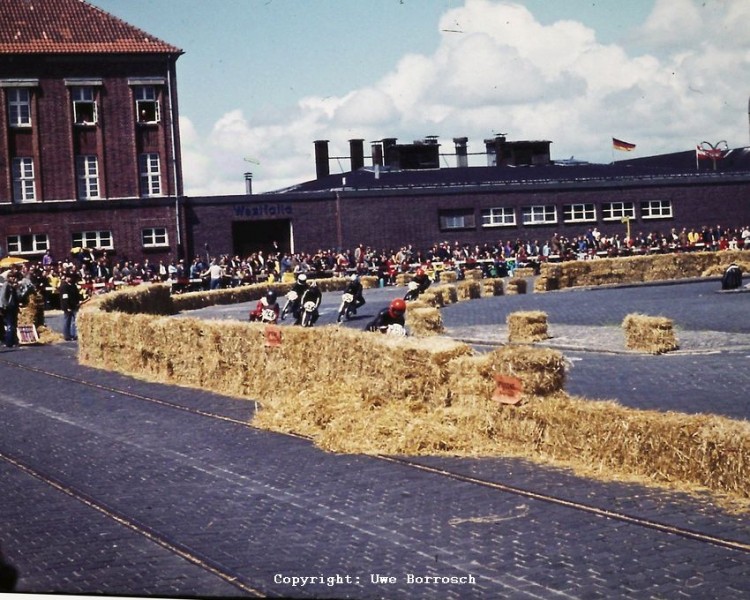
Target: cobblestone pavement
112	485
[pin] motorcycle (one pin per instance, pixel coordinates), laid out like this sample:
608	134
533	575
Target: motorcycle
308	312
267	315
393	329
345	310
413	291
291	299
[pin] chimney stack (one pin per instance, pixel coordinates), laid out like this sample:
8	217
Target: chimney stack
462	156
249	184
322	168
377	154
357	153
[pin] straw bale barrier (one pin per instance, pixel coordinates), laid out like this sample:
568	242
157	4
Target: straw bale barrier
369	281
469	289
473	274
718	270
32	313
516	285
492	287
523	272
424	321
636	269
654	335
378	394
527	326
403	278
448	276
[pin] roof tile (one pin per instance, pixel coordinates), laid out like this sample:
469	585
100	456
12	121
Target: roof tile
70	27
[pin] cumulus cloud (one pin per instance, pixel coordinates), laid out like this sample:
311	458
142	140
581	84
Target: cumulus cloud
670	85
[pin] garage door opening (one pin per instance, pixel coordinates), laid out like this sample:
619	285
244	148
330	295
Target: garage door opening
273	235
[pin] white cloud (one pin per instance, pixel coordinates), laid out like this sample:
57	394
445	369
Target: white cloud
499	69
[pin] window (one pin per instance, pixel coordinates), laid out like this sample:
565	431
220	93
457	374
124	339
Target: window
19	107
456	219
146	104
93	239
617	211
24	188
656	209
150	175
539	215
498	217
577	213
154	236
32	243
84	106
87	172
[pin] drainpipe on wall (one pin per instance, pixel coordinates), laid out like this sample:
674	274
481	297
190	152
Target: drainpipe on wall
177	185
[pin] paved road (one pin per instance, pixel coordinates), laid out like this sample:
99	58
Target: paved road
115	486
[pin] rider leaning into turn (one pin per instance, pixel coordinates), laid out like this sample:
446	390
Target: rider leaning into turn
354	287
393	315
310	292
422	280
269	304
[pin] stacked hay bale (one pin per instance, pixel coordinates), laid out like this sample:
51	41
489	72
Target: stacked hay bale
654	335
526	327
424	321
517	285
469	289
448	277
524	272
492	287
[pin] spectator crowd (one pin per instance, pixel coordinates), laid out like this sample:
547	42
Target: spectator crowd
96	272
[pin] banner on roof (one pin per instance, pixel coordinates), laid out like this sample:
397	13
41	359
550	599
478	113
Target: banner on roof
621	145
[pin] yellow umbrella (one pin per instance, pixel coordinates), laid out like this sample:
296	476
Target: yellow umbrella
9	261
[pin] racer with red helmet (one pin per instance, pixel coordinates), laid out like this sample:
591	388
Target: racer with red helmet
419	283
267	310
388	318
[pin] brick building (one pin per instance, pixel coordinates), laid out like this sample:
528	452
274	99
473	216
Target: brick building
89	142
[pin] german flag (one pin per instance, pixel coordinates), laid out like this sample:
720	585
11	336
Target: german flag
620	145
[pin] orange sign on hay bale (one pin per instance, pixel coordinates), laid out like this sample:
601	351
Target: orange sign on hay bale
508	389
273	336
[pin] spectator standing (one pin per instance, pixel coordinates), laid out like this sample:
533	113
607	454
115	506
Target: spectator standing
70	301
9	306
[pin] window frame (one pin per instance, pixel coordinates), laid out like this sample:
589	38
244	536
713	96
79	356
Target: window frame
147	109
24	179
617	211
548	214
17	116
84	96
448	219
101	239
586	212
39	243
656	209
498	216
155	234
86	180
150	177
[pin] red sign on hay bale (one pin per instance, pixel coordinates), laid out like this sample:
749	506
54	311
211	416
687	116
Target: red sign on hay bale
508	389
273	336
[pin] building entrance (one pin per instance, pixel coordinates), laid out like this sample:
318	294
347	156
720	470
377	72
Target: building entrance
269	236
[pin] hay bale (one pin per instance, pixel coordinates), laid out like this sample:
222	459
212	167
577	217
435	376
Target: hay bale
654	335
448	277
424	321
523	272
32	313
369	281
469	290
527	326
517	285
492	287
473	274
545	283
403	278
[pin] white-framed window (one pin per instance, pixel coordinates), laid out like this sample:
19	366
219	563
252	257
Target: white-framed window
24	186
84	105
150	175
19	107
31	243
579	213
146	104
87	173
498	217
539	214
617	211
93	239
456	219
153	237
656	209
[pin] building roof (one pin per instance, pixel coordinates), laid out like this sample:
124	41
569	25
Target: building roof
71	27
679	166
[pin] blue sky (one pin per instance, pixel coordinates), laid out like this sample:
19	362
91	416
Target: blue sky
263	79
